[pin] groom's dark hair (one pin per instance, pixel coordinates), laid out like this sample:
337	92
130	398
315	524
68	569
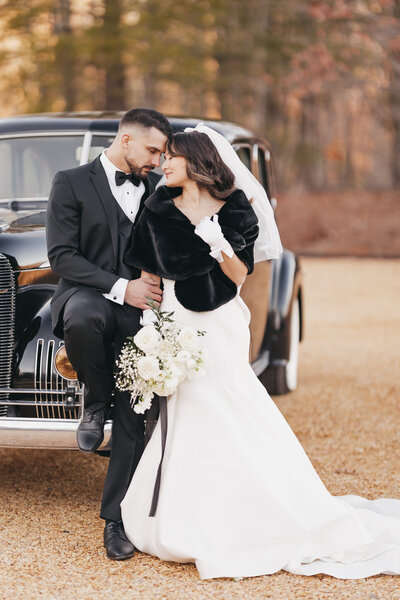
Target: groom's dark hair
147	117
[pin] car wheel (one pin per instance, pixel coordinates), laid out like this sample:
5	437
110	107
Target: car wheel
281	379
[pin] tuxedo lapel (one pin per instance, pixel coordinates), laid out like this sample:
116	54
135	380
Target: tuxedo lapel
100	182
109	204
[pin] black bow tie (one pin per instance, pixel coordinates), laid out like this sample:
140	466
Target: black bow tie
121	177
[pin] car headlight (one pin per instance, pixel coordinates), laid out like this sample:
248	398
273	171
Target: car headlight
63	365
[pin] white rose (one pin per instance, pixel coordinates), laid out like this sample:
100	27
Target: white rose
147	338
164	349
167	387
191	364
183	356
180	370
159	388
170	386
144	403
197	373
188	338
141	407
168	328
147	397
147	367
172	368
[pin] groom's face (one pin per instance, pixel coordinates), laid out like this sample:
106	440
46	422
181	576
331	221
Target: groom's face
142	149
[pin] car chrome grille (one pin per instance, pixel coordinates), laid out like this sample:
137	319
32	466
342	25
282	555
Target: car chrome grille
47	379
7	311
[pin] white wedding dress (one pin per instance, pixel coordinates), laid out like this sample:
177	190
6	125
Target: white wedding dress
239	496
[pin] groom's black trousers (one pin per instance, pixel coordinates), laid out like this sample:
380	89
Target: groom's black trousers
94	332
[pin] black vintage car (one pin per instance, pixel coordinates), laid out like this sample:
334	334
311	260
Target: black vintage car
40	401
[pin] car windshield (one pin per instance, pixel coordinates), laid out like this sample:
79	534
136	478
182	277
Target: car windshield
30	163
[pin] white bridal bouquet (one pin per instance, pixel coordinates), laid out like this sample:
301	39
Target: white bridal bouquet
158	358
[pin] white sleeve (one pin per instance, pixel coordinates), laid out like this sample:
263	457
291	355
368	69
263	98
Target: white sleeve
117	292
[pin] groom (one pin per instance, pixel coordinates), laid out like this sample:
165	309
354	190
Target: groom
91	217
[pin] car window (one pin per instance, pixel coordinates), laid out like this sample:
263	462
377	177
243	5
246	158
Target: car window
265	171
30	163
99	143
262	169
243	153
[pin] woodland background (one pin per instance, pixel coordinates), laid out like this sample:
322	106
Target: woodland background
320	80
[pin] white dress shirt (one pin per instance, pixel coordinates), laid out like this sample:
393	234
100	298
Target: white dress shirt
128	197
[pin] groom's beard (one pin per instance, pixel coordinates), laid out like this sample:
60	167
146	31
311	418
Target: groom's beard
141	172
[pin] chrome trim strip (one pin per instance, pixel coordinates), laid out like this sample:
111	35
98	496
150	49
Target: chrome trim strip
9	390
43	433
49	133
37	371
107	133
33	403
60	383
47	375
24	199
254	159
42	267
261	363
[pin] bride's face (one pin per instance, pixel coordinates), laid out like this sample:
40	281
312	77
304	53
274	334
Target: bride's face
174	168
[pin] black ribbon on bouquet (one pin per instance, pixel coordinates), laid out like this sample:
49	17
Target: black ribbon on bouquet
163	416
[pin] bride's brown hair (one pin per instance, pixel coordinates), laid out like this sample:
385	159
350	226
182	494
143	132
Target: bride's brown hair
204	164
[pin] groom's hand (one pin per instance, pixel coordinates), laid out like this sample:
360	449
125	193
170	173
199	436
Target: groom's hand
138	291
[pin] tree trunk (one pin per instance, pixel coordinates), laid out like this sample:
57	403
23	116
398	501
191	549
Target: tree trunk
396	147
394	103
113	52
150	89
64	52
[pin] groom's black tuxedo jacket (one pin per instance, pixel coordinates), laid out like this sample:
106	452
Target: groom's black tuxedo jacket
82	233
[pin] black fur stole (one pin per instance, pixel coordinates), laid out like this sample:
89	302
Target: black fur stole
164	244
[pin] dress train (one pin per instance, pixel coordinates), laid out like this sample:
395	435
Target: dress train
239	496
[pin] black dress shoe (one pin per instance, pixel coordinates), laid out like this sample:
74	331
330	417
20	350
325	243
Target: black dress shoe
90	432
117	545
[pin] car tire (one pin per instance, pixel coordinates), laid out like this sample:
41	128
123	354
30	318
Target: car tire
282	378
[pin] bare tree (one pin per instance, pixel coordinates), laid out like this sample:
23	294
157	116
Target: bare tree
112	43
65	51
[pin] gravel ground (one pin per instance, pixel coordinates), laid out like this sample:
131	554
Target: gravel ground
346	414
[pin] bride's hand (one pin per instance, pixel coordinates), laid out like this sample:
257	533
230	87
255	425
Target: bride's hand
138	291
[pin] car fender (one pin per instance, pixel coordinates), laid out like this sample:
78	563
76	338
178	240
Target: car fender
35	342
282	287
285	286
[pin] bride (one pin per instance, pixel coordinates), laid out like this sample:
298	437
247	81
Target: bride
238	496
